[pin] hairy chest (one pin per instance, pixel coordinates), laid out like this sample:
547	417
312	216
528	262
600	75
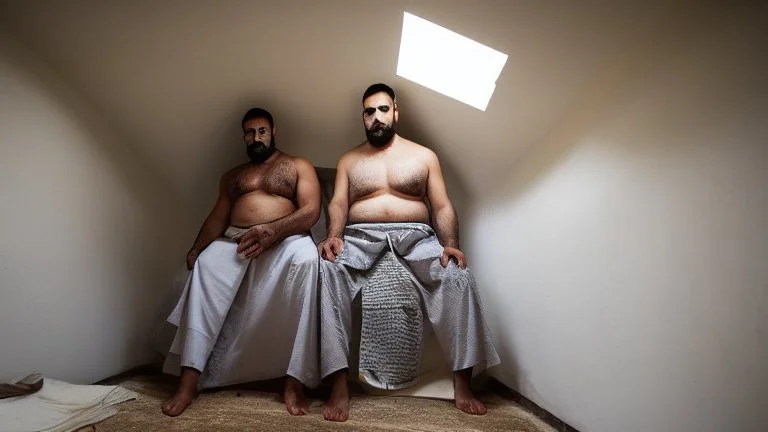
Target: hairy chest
403	176
278	179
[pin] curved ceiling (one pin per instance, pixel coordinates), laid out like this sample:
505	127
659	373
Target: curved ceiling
175	76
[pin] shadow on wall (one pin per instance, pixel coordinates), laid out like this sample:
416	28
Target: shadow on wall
144	242
409	128
134	170
541	157
637	65
621	251
226	152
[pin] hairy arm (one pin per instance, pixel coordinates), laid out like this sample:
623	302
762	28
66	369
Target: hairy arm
261	237
307	200
216	222
338	208
444	216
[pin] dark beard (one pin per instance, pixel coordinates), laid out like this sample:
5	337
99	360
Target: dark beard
258	152
380	135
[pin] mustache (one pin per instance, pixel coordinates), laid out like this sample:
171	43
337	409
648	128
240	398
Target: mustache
379	127
257	146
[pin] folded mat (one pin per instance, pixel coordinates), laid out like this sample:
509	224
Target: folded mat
59	406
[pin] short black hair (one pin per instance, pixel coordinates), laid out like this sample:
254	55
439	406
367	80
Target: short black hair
378	88
255	113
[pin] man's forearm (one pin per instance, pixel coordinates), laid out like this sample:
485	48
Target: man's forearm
447	226
337	219
210	231
297	222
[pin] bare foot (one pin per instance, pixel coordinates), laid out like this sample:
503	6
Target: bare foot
470	405
464	399
337	407
179	402
295	402
184	395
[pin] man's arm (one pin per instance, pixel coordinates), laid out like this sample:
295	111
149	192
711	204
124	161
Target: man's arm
338	209
307	200
339	205
444	216
214	226
261	237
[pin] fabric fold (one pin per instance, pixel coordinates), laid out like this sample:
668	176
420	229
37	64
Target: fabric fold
27	385
59	406
397	268
247	320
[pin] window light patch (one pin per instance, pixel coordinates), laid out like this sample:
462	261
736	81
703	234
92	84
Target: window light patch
447	62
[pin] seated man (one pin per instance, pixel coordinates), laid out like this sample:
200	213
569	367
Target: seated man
255	237
382	190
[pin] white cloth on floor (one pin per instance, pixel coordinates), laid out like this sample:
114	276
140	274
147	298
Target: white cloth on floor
248	320
60	407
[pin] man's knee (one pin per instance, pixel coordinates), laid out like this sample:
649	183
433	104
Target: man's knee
304	255
211	256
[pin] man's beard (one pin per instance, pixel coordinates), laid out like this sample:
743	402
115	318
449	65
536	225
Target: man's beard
258	152
380	134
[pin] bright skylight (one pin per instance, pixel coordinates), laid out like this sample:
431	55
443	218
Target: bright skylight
448	62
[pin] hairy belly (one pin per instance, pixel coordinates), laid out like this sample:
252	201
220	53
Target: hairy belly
388	208
258	207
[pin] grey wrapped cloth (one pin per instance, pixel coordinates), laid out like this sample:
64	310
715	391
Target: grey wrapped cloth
248	320
391	337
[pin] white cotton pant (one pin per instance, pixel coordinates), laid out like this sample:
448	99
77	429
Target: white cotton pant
248	320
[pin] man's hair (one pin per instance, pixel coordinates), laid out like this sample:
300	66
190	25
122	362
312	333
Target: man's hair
255	113
378	88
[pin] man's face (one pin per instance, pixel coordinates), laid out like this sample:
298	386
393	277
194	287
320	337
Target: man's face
259	141
379	117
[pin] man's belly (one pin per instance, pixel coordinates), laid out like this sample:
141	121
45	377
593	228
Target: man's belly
258	207
388	208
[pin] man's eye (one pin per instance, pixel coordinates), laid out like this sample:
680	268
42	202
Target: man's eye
384	108
369	111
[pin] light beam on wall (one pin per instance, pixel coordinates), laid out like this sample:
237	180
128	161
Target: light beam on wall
447	62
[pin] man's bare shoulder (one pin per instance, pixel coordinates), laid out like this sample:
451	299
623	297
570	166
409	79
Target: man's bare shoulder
282	158
299	162
353	155
234	171
283	165
418	150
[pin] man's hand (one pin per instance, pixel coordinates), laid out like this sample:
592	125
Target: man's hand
256	240
455	254
330	248
191	258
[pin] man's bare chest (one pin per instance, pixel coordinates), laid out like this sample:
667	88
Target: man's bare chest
276	179
402	176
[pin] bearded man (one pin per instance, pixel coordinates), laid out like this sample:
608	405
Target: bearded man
390	215
255	241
